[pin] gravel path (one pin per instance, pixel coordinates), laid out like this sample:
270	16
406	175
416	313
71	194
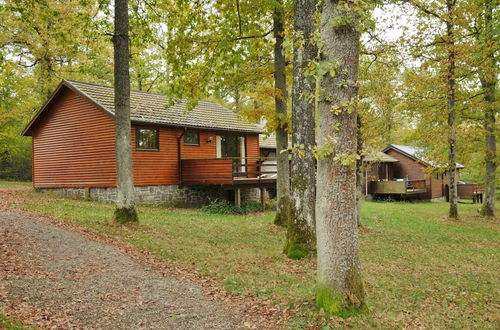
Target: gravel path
62	279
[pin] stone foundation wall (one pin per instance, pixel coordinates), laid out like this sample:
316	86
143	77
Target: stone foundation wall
250	195
171	195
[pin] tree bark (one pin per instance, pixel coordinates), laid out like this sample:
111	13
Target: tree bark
300	235
340	286
282	155
359	172
488	83
125	205
452	126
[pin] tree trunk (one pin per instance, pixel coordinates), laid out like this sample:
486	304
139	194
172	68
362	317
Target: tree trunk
359	172
300	235
488	82
125	205
282	159
452	125
340	287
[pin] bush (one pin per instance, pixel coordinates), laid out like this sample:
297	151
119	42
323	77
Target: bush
253	206
222	207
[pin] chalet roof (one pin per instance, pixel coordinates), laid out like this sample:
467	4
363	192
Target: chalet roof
379	157
150	108
267	142
415	153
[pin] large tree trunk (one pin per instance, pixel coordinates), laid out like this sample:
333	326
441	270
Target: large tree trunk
488	82
452	125
340	286
301	222
125	205
283	165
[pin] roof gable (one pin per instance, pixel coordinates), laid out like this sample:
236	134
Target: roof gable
150	108
415	153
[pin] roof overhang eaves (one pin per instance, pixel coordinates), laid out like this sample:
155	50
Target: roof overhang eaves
64	83
406	154
208	128
69	85
27	129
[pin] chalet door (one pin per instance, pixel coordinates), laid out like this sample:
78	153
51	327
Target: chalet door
232	146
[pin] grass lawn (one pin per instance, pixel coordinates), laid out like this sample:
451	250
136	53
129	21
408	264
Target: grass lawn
14	184
9	323
420	269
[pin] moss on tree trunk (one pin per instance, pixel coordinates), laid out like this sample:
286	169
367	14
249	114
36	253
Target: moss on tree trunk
343	302
124	215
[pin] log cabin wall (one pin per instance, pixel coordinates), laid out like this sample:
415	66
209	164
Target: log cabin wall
413	170
74	146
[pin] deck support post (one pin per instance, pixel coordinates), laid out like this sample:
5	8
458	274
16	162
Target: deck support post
263	198
237	197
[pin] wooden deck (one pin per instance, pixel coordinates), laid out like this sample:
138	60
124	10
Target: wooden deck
408	187
230	172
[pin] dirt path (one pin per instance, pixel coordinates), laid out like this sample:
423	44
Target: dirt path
53	277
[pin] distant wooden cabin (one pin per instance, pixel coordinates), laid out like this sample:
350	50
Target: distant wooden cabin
407	173
73	139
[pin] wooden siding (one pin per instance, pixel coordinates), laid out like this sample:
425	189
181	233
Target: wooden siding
156	167
74	146
207	171
408	167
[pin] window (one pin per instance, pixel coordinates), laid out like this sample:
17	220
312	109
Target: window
192	138
229	146
147	139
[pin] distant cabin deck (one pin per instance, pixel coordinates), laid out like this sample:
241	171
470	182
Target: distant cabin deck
407	187
229	172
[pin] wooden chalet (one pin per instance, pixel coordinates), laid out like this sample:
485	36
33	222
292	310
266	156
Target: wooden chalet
404	171
73	139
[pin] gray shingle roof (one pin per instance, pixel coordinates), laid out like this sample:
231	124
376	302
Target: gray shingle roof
379	157
267	142
150	108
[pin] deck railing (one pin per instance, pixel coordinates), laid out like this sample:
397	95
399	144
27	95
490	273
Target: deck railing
399	187
228	171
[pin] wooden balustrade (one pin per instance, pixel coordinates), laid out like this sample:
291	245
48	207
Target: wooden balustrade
229	171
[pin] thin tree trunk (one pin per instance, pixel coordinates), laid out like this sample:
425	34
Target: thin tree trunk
359	172
282	159
125	204
490	149
488	82
300	235
340	286
452	126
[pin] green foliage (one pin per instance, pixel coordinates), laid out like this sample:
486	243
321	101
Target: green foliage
125	215
223	207
253	206
16	164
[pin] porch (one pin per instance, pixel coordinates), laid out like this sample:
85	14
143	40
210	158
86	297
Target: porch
400	187
229	172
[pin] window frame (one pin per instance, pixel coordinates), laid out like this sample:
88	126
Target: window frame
137	134
192	144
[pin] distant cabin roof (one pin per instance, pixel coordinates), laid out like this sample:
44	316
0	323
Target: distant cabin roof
267	142
379	157
416	153
150	108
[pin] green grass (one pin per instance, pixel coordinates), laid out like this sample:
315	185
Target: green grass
14	184
419	268
8	323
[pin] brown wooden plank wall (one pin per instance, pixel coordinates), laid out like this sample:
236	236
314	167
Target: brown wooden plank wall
73	145
156	167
